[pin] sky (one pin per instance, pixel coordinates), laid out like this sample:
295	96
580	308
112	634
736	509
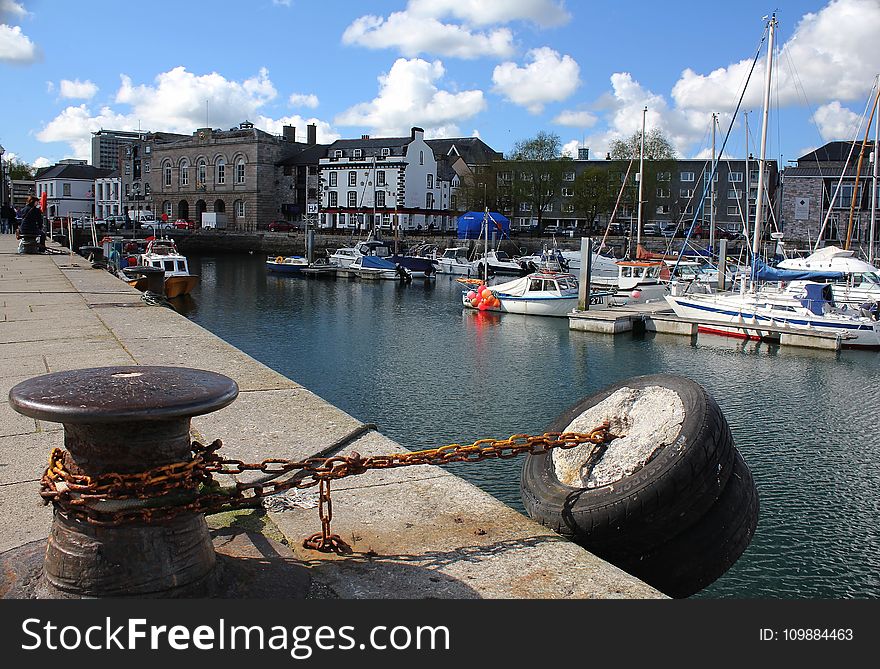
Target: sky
501	70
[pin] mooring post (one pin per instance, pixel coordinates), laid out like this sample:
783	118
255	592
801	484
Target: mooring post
125	420
155	277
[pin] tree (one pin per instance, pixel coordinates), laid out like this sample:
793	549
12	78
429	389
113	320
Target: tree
537	173
593	194
660	158
18	170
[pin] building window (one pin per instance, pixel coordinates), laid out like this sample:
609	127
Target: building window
686	176
221	171
733	210
184	173
525	176
664	176
352	178
357	153
453	202
239	171
663	209
567	192
430	181
421	157
352	198
733	194
735	177
568	176
568	208
686	192
334	179
147	166
146	189
386	152
380	198
525	206
689	209
166	171
203	174
429	200
333	200
380	178
166	208
65	190
239	208
337	153
662	192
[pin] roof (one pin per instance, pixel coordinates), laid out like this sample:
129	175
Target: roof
309	155
832	151
81	172
473	150
820	169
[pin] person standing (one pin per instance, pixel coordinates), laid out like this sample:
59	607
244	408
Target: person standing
7	218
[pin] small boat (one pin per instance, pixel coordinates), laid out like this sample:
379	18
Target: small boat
163	253
343	257
637	282
536	294
454	260
500	264
287	264
374	267
857	282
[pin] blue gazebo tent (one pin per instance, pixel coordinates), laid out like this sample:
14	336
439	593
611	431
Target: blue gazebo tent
470	225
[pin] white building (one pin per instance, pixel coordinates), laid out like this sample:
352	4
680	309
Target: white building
70	188
108	195
388	183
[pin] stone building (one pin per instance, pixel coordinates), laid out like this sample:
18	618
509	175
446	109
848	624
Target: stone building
238	172
816	203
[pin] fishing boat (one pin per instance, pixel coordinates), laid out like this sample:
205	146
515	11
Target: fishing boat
287	264
163	253
536	294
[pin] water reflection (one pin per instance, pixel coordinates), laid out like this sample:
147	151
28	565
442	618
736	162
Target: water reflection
428	372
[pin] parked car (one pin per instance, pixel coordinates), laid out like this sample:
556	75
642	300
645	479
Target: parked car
651	229
184	224
281	226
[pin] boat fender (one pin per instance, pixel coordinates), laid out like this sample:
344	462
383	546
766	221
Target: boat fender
279	259
636	294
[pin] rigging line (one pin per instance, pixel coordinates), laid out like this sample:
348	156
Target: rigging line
855	195
726	138
842	172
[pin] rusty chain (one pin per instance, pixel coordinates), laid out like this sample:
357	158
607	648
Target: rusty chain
165	492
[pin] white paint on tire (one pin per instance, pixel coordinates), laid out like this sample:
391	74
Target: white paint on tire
644	419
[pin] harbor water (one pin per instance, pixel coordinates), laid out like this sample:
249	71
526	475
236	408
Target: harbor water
428	373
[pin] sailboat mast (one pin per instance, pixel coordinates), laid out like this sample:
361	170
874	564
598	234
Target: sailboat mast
874	189
747	179
712	187
486	246
759	201
641	180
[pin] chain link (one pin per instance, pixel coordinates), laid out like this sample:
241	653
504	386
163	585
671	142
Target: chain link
163	493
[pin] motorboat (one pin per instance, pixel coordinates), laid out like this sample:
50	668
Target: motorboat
636	282
536	294
858	281
343	257
454	260
499	264
287	264
163	253
375	267
756	314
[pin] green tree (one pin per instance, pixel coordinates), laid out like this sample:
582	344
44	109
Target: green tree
593	194
537	173
19	170
660	157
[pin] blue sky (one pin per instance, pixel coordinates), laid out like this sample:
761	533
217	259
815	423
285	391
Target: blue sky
502	70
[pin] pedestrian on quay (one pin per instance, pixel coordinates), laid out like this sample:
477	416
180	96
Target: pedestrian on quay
32	224
7	218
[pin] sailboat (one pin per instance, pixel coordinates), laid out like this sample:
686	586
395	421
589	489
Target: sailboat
755	314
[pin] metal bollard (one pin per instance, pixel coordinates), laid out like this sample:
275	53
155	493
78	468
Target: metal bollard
125	420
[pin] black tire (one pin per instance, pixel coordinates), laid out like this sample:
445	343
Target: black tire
645	509
702	553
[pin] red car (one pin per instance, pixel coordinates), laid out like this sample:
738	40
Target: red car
281	226
183	224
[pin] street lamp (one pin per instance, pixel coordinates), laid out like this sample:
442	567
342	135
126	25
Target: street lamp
135	196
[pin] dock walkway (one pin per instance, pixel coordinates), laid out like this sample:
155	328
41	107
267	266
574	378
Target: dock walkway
416	532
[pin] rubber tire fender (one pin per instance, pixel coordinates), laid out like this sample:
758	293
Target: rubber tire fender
643	510
702	553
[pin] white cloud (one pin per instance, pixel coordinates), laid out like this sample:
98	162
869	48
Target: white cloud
325	133
15	47
547	78
544	13
576	119
9	9
83	90
42	161
303	100
176	101
836	122
832	54
408	95
283	3
414	35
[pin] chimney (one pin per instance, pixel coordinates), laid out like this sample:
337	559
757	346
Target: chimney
311	134
365	137
607	156
418	133
289	133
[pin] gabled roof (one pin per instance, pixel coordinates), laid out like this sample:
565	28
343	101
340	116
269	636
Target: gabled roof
81	172
832	151
473	150
309	155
